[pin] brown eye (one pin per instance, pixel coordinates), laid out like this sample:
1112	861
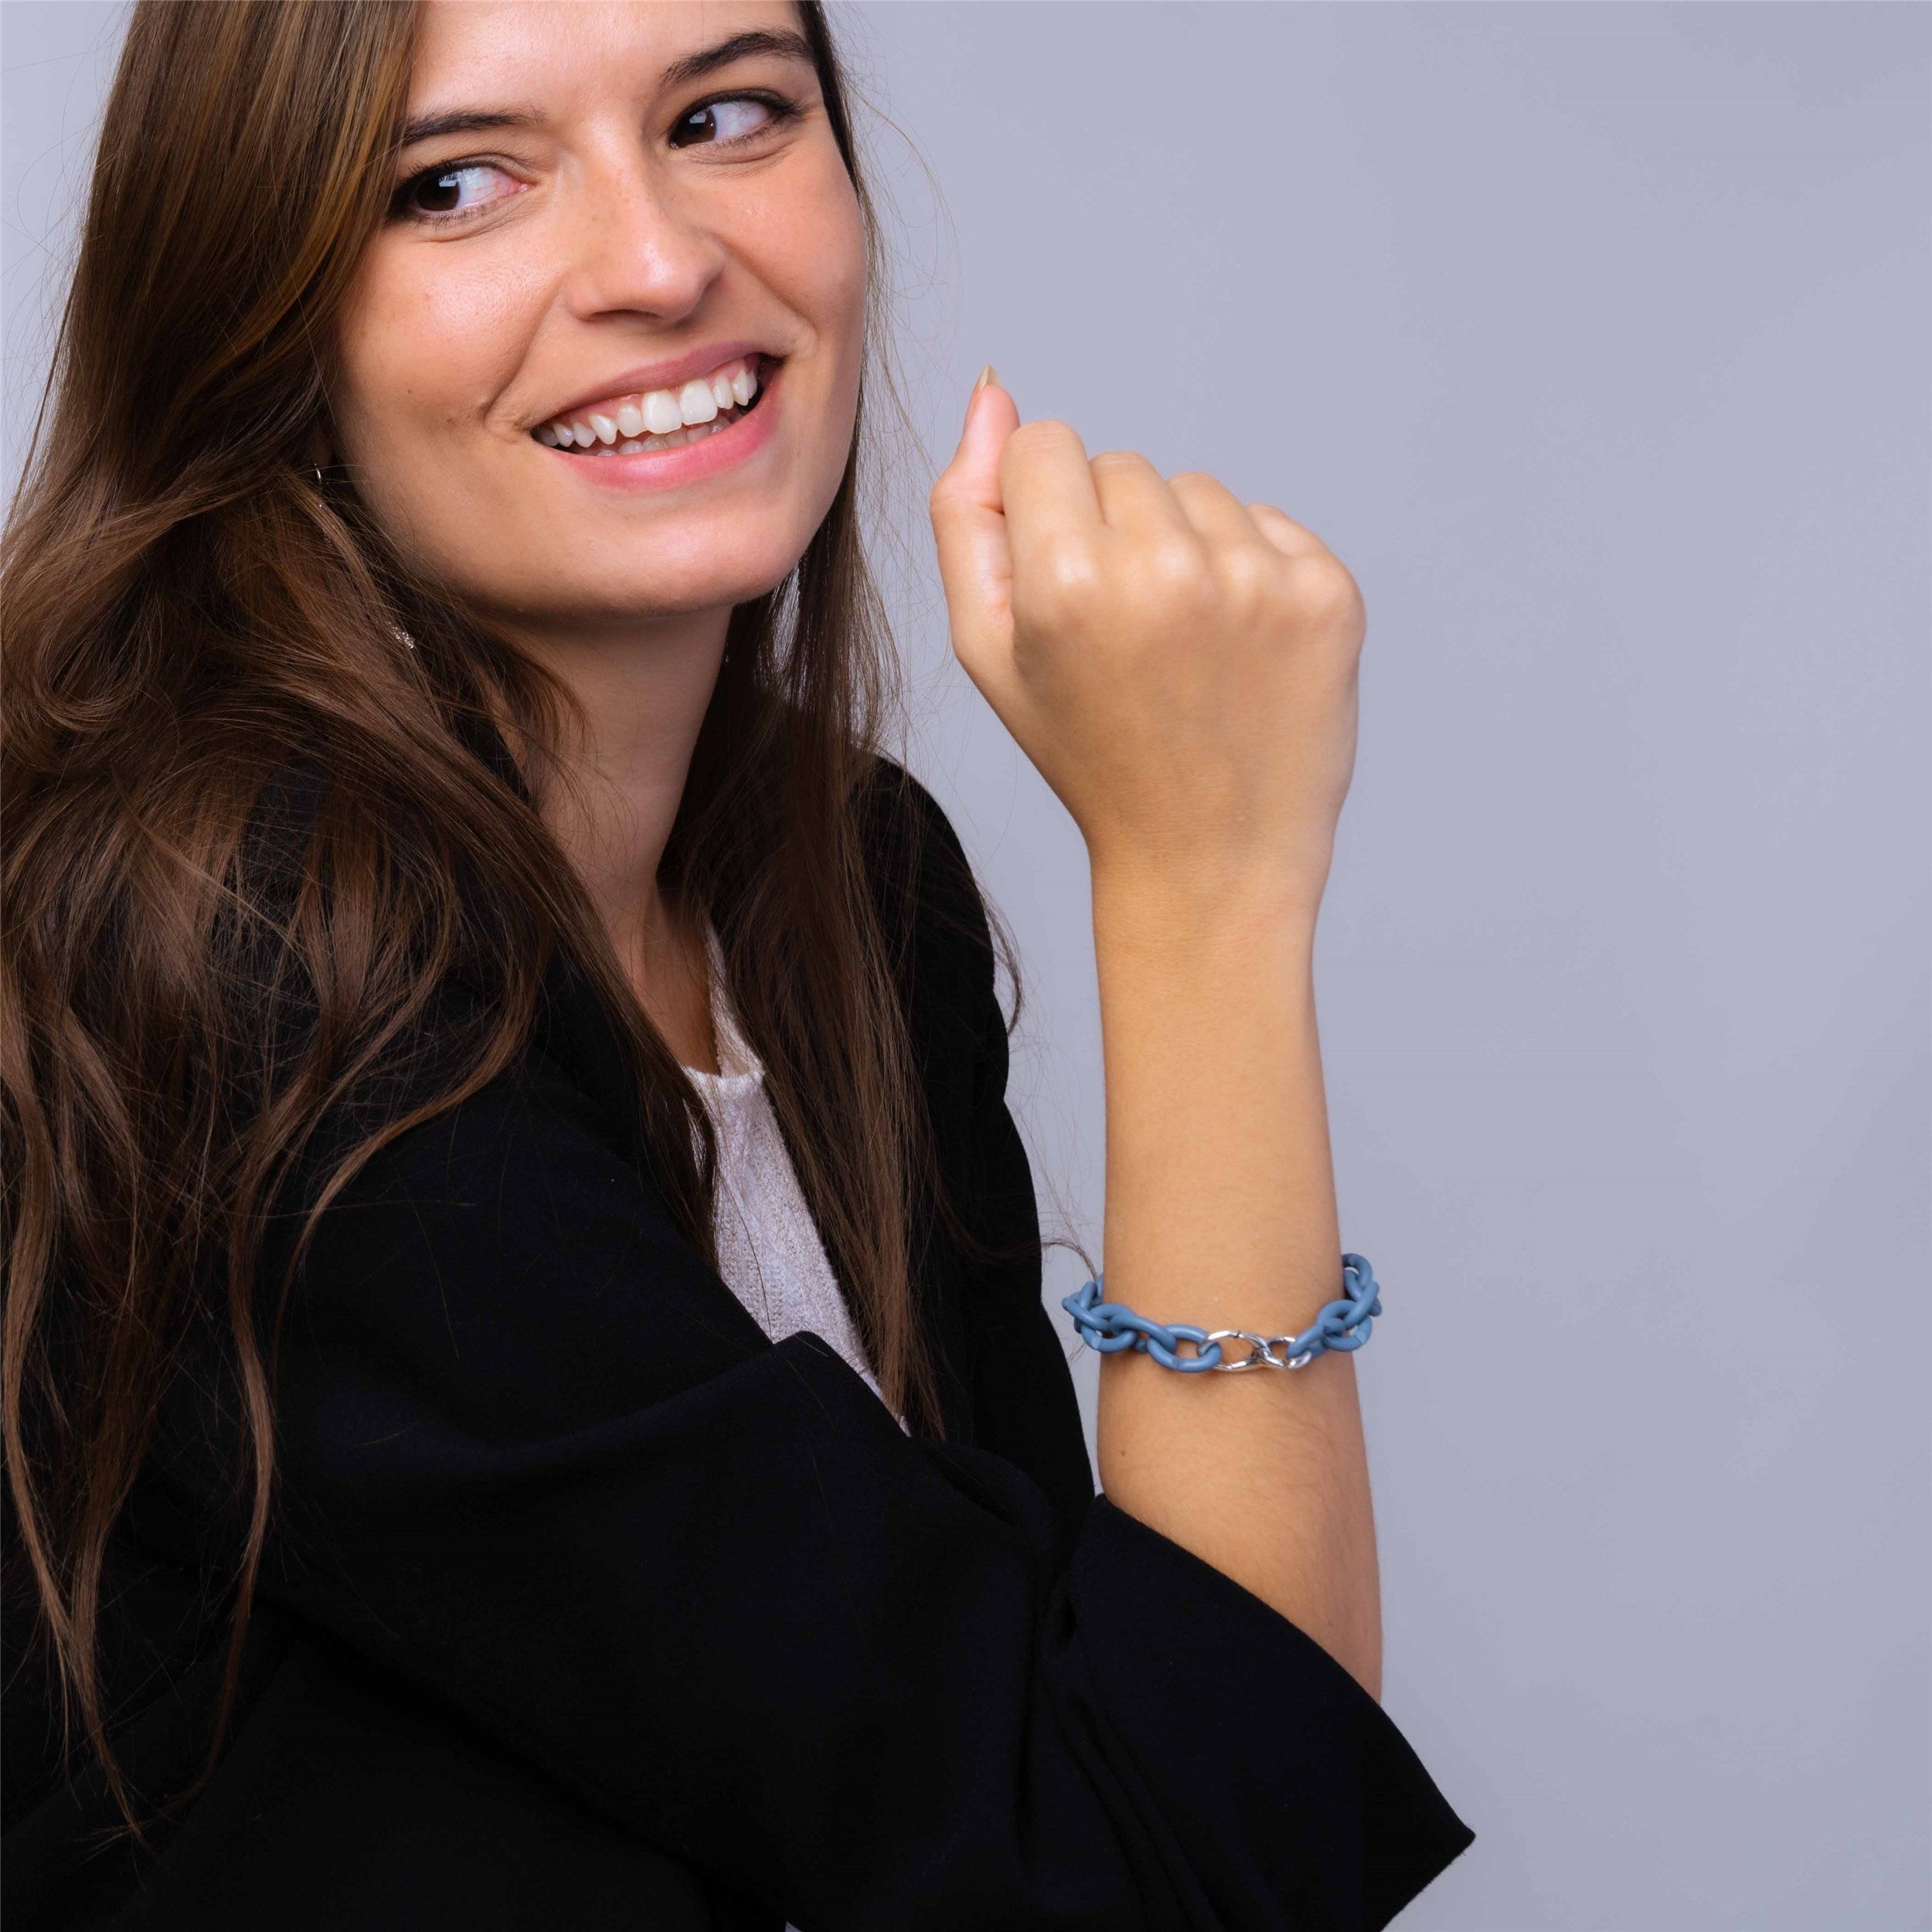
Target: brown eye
437	194
729	119
445	193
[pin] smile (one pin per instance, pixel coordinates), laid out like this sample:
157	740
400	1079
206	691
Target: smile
648	420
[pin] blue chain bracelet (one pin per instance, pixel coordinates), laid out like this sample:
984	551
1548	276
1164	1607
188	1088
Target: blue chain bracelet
1343	1325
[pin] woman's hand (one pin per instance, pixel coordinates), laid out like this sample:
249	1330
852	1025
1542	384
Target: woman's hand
1180	668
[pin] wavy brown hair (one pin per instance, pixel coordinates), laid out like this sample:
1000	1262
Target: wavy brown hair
187	617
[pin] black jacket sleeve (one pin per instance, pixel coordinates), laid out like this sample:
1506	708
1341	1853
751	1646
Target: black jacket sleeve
534	1455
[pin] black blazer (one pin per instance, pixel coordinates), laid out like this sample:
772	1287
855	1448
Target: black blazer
589	1606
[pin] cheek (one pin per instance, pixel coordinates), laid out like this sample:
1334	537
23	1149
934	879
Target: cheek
826	274
841	269
848	294
421	355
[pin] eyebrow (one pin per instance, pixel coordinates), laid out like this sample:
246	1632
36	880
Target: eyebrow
693	66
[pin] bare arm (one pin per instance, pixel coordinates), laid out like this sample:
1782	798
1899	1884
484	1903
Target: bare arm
1221	1212
1182	669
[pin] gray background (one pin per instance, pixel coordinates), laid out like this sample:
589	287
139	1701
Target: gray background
1594	338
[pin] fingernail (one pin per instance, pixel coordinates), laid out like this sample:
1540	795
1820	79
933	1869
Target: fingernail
986	376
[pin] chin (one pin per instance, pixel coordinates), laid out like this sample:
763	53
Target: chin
710	582
617	605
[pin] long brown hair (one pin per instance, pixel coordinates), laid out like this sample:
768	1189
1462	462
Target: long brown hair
187	615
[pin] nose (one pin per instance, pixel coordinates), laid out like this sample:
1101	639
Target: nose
636	246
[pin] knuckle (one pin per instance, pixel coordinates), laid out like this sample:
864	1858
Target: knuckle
1065	574
1174	563
1044	430
1279	530
1168	574
1328	592
1247	573
1071	573
1248	581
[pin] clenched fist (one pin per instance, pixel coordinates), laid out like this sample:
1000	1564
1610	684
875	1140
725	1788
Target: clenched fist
1180	666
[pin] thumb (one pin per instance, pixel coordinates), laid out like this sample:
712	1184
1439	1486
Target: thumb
969	525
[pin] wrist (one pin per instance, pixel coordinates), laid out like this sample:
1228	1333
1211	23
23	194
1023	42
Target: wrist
1146	911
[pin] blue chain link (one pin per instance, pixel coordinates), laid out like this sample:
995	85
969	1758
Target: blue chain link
1345	1325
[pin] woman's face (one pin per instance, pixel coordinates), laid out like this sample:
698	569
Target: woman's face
602	258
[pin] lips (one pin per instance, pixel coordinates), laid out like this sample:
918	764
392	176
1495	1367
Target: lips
645	378
661	420
655	418
650	463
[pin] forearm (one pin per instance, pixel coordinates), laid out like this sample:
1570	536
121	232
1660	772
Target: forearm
1221	1212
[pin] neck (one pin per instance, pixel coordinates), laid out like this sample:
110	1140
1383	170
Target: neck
644	693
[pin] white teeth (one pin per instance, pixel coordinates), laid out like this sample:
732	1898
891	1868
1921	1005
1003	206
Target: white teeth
677	439
661	419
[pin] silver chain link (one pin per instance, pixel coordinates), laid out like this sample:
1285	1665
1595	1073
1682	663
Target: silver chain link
1262	1355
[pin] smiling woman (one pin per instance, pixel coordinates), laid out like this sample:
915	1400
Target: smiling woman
527	1401
568	175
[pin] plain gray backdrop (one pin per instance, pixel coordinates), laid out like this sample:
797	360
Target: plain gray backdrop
1594	338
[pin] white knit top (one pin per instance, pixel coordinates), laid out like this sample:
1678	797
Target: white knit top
769	1249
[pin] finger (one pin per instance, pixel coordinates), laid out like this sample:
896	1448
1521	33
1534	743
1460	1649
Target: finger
1132	498
1050	495
1289	537
1214	510
969	525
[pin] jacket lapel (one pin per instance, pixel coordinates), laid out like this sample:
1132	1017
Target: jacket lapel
574	1031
